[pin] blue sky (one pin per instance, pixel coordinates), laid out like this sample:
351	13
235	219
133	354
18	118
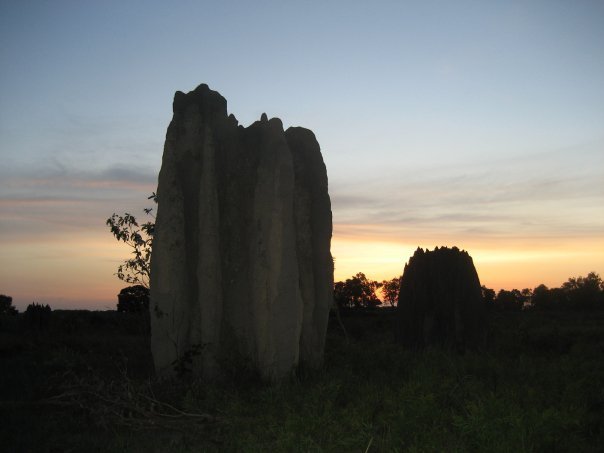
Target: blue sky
478	124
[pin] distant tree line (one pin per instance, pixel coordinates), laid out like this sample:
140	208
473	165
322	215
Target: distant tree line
356	292
35	318
359	291
580	293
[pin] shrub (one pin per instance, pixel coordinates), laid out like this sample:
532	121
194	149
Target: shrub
37	316
133	299
6	306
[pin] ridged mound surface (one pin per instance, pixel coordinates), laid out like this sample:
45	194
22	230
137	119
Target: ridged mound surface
241	265
440	300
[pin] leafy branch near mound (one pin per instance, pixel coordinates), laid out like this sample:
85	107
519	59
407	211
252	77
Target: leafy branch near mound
137	269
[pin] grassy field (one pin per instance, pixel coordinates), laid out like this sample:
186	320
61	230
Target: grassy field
85	384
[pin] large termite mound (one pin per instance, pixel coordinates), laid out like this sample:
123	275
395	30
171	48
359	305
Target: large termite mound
241	268
440	300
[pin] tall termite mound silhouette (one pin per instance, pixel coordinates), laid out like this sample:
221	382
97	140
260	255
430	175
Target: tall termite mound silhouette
241	269
440	301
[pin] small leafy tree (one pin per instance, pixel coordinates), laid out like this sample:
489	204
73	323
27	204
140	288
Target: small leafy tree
584	293
580	293
133	299
509	300
135	270
542	297
357	292
390	289
488	296
6	305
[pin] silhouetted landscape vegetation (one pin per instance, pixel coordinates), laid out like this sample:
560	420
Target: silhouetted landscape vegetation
324	138
80	381
532	380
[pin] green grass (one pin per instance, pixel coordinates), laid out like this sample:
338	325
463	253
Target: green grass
539	386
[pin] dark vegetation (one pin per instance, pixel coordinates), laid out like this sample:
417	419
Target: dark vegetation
37	317
83	381
6	306
578	294
356	292
133	299
139	238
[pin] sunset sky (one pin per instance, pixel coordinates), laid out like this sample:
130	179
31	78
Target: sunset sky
467	123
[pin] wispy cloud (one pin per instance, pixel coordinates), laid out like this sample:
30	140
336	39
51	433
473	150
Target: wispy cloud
553	194
63	200
64	183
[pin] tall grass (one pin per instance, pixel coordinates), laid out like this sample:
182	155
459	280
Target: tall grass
539	386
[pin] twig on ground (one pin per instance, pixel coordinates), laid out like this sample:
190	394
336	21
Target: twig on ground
123	405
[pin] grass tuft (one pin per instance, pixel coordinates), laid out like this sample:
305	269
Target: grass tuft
537	387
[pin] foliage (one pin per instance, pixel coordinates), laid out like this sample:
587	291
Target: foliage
183	365
581	293
390	289
513	300
488	296
37	316
135	270
6	305
357	291
545	298
538	387
584	293
133	299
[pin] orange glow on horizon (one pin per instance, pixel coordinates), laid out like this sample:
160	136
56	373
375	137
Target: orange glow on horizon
499	265
67	271
76	269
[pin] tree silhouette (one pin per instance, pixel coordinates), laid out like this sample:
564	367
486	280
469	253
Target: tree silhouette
357	291
390	290
584	293
580	293
509	300
6	305
137	269
37	316
488	296
133	299
541	298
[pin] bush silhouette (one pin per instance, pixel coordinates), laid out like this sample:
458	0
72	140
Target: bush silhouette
581	294
390	289
510	300
133	299
6	305
37	316
357	291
